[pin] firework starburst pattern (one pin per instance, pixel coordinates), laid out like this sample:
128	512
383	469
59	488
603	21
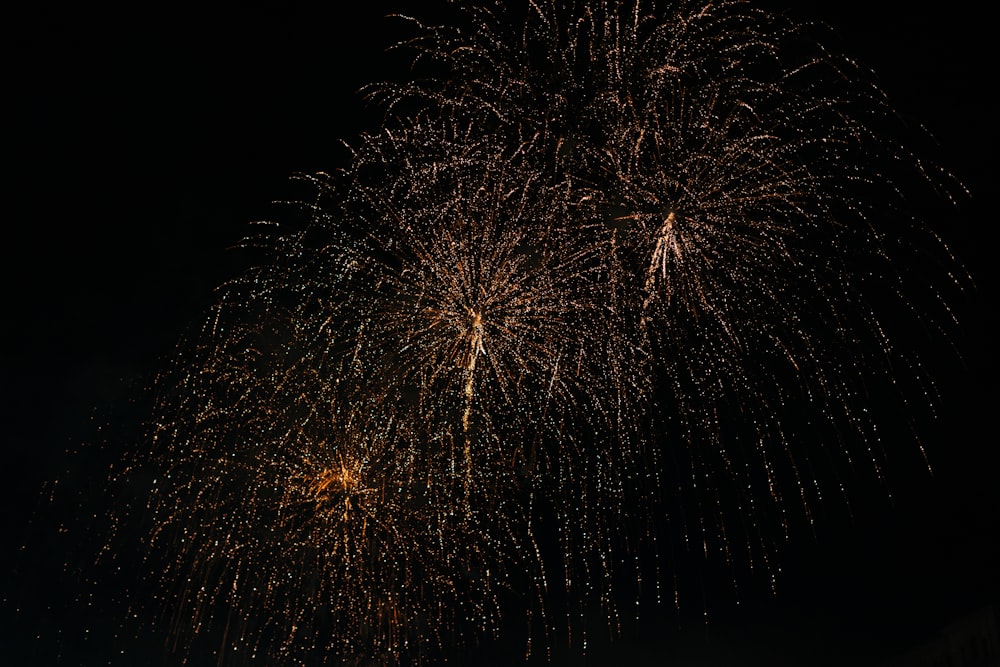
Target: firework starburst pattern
599	287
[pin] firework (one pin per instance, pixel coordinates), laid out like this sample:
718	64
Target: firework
746	177
616	253
488	309
477	296
293	515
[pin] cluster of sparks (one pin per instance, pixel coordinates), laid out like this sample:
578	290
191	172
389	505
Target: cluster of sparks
588	262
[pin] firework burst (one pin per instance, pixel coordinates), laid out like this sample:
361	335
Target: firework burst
613	255
488	308
292	515
749	187
477	297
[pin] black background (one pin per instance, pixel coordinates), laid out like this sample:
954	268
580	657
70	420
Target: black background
143	141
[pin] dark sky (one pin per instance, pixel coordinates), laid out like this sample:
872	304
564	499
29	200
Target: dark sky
142	143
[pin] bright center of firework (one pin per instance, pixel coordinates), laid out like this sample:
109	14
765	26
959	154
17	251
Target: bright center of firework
339	487
667	245
475	338
667	235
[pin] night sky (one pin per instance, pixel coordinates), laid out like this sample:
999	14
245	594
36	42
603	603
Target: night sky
142	143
